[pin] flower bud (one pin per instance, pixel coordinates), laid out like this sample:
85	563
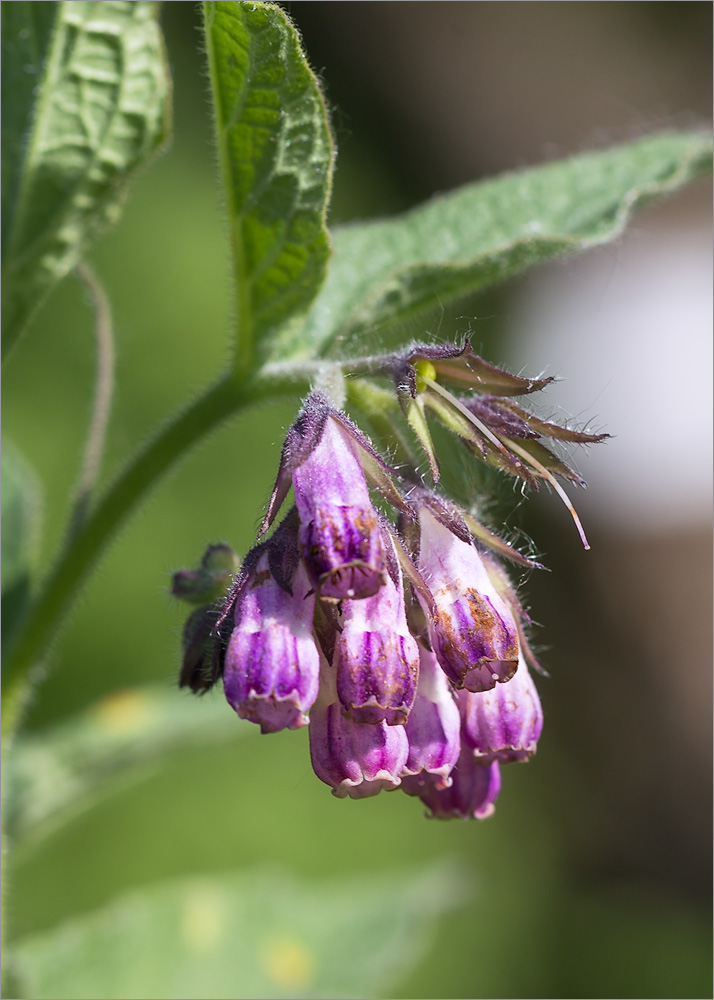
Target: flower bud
211	580
433	730
472	793
353	758
505	723
204	650
472	629
272	663
376	657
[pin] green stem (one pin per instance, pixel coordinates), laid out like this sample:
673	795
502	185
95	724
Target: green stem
225	398
103	391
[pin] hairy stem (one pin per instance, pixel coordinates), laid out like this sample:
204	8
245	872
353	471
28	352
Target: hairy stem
103	390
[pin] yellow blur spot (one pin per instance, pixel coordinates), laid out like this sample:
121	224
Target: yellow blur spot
202	920
123	711
288	963
424	369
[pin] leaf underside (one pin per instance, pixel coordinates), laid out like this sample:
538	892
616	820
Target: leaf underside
404	269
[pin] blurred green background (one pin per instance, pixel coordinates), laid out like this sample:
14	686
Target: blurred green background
593	878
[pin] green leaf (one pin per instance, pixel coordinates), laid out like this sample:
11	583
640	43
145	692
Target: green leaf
260	935
101	88
403	269
56	774
26	33
20	533
276	158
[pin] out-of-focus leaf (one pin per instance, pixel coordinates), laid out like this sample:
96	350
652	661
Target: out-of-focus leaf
100	89
20	533
262	935
389	272
54	775
276	156
26	33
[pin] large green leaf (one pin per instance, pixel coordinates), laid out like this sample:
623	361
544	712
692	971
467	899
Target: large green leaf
100	87
20	534
403	269
263	935
276	156
53	775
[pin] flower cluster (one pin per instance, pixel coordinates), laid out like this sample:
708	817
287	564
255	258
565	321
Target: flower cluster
398	641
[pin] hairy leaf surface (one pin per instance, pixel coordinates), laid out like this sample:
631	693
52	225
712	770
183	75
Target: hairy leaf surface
406	268
276	157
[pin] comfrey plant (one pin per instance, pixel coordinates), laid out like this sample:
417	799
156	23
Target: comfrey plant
396	637
373	609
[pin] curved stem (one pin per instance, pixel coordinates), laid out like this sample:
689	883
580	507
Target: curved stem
82	551
103	391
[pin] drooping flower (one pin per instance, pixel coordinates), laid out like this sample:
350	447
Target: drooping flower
433	730
272	665
324	457
356	759
340	539
472	629
472	793
505	723
426	688
376	658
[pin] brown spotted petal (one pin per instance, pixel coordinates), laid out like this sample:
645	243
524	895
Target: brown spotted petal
339	538
472	630
376	658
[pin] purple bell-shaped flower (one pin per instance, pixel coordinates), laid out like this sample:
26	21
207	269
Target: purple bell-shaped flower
355	759
472	629
272	665
376	657
433	730
505	723
472	793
